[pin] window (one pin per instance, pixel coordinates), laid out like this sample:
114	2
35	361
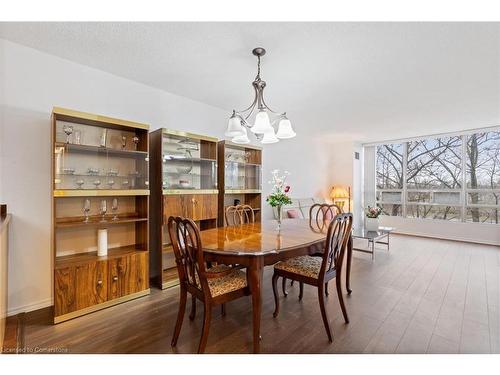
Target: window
454	178
390	178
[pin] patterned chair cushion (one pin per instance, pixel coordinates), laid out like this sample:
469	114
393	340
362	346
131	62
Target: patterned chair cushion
237	279
304	265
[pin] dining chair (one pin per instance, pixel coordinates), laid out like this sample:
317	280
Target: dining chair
319	215
212	286
318	271
240	214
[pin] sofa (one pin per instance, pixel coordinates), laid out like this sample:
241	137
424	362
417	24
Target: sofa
299	206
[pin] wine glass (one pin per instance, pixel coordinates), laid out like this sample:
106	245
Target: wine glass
114	208
125	183
136	141
103	210
97	183
79	183
124	142
111	183
86	210
68	130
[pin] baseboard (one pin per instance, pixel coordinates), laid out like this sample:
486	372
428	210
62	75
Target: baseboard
454	238
30	307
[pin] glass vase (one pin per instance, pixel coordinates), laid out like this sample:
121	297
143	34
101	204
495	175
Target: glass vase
279	215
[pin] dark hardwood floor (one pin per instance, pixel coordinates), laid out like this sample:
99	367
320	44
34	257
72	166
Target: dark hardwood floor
424	296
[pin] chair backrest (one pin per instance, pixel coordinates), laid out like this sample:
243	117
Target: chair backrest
240	214
186	241
337	238
322	213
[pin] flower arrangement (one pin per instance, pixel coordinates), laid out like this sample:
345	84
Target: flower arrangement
278	196
373	212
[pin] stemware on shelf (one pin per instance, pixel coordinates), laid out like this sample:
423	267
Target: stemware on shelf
86	210
111	183
97	183
68	130
79	182
104	136
114	208
103	210
77	137
124	142
135	139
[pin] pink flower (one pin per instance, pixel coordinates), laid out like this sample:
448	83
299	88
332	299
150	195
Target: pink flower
287	189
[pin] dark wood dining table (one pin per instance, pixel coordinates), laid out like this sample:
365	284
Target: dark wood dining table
260	244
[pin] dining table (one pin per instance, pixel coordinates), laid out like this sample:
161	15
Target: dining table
260	244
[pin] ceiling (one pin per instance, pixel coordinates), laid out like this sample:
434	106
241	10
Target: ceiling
362	81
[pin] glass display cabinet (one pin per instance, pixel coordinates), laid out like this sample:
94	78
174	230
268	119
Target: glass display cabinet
240	177
183	172
100	211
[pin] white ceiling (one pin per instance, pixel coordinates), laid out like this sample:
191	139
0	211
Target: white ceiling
364	81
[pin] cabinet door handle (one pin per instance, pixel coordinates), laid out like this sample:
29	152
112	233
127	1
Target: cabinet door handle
99	282
115	278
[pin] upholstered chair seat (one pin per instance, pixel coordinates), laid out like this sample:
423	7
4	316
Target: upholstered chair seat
235	280
304	265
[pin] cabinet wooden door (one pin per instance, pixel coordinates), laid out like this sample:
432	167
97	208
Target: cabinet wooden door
138	280
64	291
173	205
202	206
118	276
91	284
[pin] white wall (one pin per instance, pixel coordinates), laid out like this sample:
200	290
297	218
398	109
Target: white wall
32	83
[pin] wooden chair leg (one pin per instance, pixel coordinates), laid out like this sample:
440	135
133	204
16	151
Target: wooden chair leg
275	291
301	290
283	286
321	297
223	309
180	316
207	314
326	289
193	308
341	299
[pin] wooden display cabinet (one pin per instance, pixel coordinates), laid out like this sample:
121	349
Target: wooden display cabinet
98	159
239	177
183	176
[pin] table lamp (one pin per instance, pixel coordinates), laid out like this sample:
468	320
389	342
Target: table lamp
339	195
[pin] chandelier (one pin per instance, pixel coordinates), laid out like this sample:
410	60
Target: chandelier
263	127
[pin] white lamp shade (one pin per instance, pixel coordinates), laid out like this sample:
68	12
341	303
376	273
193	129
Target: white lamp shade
234	127
241	139
285	130
262	123
269	137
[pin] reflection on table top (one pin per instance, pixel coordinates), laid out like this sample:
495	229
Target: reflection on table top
361	232
261	237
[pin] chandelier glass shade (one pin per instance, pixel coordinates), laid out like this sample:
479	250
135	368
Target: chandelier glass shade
265	119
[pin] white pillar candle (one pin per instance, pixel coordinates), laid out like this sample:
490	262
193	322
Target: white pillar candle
102	242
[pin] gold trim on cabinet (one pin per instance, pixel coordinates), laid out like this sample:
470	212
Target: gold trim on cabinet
59	111
242	191
189	191
99	193
88	310
170	284
188	135
241	146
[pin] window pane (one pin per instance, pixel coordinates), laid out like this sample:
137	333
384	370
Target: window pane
391	209
417	196
446	197
483	215
435	163
483	160
450	213
391	196
491	199
390	166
